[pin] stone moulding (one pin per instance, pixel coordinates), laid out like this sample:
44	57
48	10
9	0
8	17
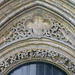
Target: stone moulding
37	49
42	3
43	54
37	30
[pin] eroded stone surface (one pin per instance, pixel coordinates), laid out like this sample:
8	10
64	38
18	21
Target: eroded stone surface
38	53
39	26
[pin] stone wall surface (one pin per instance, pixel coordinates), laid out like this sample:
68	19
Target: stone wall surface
37	30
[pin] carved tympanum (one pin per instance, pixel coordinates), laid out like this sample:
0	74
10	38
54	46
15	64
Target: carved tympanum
41	26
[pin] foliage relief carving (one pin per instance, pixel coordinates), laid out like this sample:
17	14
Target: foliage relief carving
38	53
40	26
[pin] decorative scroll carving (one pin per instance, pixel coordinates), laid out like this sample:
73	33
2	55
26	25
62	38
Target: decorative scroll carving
38	53
59	32
41	26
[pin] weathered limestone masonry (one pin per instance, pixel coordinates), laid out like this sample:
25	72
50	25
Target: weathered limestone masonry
37	30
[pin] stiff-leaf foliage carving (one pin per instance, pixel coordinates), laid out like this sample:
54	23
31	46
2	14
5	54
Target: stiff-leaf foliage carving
38	53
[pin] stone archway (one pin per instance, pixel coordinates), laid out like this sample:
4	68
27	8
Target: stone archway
37	32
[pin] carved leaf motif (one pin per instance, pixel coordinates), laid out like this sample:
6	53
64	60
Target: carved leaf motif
38	25
69	37
38	53
5	38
